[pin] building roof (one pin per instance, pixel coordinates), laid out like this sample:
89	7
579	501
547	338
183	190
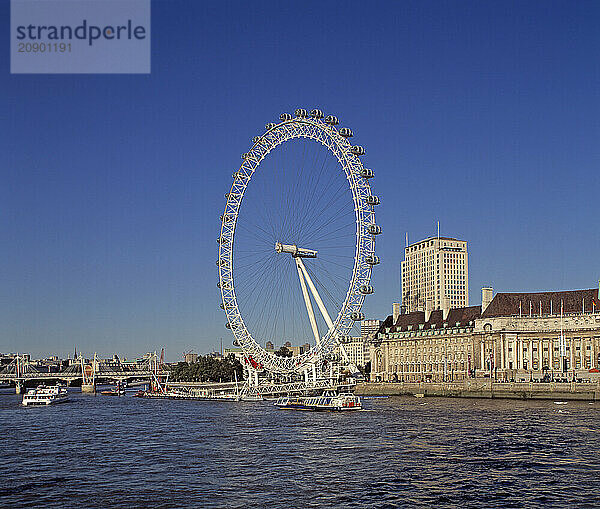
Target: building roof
574	301
436	320
435	238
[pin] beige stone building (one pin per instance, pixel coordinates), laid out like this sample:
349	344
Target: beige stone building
512	337
435	274
369	327
535	336
411	347
357	350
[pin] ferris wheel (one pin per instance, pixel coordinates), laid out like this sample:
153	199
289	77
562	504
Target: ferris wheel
298	228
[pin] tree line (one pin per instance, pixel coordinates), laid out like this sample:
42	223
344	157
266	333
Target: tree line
207	369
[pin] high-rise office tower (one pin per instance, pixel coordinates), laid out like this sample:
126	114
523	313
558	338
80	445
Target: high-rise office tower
435	275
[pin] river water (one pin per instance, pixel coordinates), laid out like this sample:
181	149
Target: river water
109	452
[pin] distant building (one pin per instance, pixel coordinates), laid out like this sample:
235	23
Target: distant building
298	350
357	350
190	358
237	352
552	336
369	327
435	275
136	363
269	347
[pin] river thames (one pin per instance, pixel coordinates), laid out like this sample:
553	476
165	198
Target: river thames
101	451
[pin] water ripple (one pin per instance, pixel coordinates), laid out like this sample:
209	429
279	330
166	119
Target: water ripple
129	453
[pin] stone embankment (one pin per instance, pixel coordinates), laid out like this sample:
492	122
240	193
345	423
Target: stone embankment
485	389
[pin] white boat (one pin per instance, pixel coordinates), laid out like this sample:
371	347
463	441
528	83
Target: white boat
45	396
328	401
251	397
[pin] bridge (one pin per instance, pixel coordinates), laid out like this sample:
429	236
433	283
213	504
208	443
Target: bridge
89	372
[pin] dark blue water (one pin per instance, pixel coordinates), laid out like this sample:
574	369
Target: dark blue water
101	451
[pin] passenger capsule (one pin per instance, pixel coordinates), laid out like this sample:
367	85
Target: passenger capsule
270	126
357	317
372	200
357	150
256	139
226	218
221	263
367	173
244	155
226	196
331	120
316	113
228	325
301	113
372	260
222	306
366	289
218	284
374	229
346	132
284	117
235	342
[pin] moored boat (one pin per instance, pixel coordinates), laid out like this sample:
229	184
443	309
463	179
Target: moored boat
188	394
43	395
326	402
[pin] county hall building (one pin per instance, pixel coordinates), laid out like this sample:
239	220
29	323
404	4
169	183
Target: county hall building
547	336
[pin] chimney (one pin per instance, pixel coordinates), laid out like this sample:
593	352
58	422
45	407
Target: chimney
487	294
445	307
396	311
428	310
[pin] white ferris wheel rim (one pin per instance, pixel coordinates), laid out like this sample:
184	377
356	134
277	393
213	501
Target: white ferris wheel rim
324	132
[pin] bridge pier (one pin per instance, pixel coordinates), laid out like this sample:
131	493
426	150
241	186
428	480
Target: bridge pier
88	388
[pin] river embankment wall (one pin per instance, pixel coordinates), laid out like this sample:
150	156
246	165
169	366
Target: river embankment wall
485	389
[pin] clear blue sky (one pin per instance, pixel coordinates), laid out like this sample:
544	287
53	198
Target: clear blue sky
484	115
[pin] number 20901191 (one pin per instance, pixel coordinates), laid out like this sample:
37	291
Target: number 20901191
44	47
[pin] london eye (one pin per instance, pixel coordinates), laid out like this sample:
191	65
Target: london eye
297	242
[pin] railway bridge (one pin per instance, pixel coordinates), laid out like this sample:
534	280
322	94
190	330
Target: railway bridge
87	372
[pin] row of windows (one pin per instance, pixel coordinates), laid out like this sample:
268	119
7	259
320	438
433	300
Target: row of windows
427	368
432	244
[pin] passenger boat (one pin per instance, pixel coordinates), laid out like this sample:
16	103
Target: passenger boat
326	402
43	395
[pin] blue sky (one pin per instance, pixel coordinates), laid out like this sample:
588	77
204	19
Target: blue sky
484	115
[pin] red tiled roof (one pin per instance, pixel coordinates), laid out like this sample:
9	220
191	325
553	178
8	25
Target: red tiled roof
574	301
